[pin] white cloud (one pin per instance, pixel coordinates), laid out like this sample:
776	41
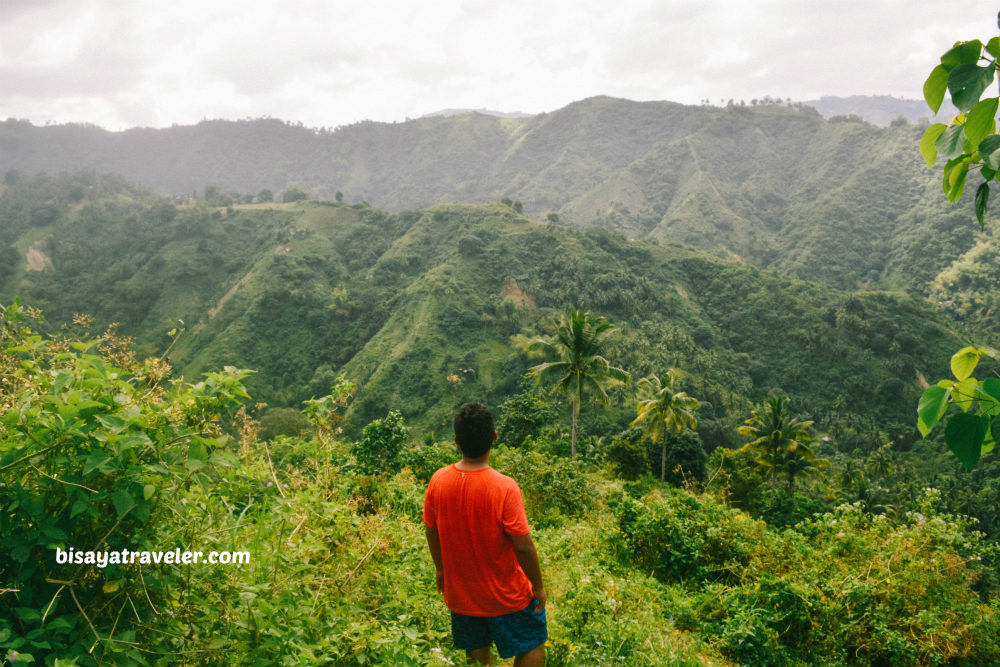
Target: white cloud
324	63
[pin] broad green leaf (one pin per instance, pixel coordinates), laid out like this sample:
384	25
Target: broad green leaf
110	586
982	201
98	461
966	83
989	150
989	399
935	86
993	47
987	173
949	144
147	491
964	362
113	423
965	434
956	181
965	393
927	143
932	406
79	505
123	501
988	443
963	53
981	120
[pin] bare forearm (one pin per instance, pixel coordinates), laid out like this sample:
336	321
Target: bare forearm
527	558
434	544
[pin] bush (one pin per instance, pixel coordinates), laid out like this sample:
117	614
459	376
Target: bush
628	454
553	488
378	451
426	460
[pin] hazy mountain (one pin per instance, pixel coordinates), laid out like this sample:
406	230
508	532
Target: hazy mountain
446	113
880	110
840	201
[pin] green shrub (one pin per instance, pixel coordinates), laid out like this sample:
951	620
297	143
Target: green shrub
553	488
425	460
378	450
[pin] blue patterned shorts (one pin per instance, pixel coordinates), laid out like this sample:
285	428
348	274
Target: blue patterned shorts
514	633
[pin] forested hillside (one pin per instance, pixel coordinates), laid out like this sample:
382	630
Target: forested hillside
219	369
836	200
301	292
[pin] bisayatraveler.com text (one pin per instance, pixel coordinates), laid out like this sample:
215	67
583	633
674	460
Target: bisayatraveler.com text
126	557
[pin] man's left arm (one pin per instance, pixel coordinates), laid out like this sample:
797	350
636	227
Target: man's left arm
434	544
527	558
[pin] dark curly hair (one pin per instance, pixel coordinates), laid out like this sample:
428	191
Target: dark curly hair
474	429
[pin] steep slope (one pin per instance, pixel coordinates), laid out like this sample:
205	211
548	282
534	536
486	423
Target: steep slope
418	308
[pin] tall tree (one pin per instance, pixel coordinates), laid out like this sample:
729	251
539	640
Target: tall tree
579	344
666	412
780	441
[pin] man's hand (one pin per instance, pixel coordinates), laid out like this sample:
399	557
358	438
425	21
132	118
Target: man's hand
539	594
440	581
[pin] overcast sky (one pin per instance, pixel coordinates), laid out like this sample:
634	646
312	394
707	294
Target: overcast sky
124	63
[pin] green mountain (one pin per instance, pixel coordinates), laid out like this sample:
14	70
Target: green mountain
839	201
419	307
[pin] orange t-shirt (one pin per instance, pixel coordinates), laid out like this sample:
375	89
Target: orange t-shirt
474	513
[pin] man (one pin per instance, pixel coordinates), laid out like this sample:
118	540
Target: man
487	566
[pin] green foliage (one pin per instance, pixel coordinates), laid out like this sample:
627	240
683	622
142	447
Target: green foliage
781	442
628	454
554	488
968	140
969	433
98	451
323	413
523	415
426	460
667	412
381	444
685	459
294	193
579	343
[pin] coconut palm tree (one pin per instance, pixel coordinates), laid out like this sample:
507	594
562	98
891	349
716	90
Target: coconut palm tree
666	412
578	345
780	441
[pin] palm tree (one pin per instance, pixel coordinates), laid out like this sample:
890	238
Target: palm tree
780	441
666	413
578	345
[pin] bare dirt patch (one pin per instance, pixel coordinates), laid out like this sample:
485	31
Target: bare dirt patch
36	259
511	291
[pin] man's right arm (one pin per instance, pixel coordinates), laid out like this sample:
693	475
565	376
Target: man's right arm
527	558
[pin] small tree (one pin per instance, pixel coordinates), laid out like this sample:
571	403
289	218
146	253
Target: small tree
294	193
780	441
323	412
378	450
666	412
579	343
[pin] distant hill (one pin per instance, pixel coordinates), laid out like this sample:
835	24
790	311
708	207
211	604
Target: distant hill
447	113
839	201
880	110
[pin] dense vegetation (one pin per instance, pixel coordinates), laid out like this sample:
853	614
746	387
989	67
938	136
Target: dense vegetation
100	449
804	519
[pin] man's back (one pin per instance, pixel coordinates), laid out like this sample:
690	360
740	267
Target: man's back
475	512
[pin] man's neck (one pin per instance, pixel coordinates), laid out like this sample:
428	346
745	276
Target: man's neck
477	463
